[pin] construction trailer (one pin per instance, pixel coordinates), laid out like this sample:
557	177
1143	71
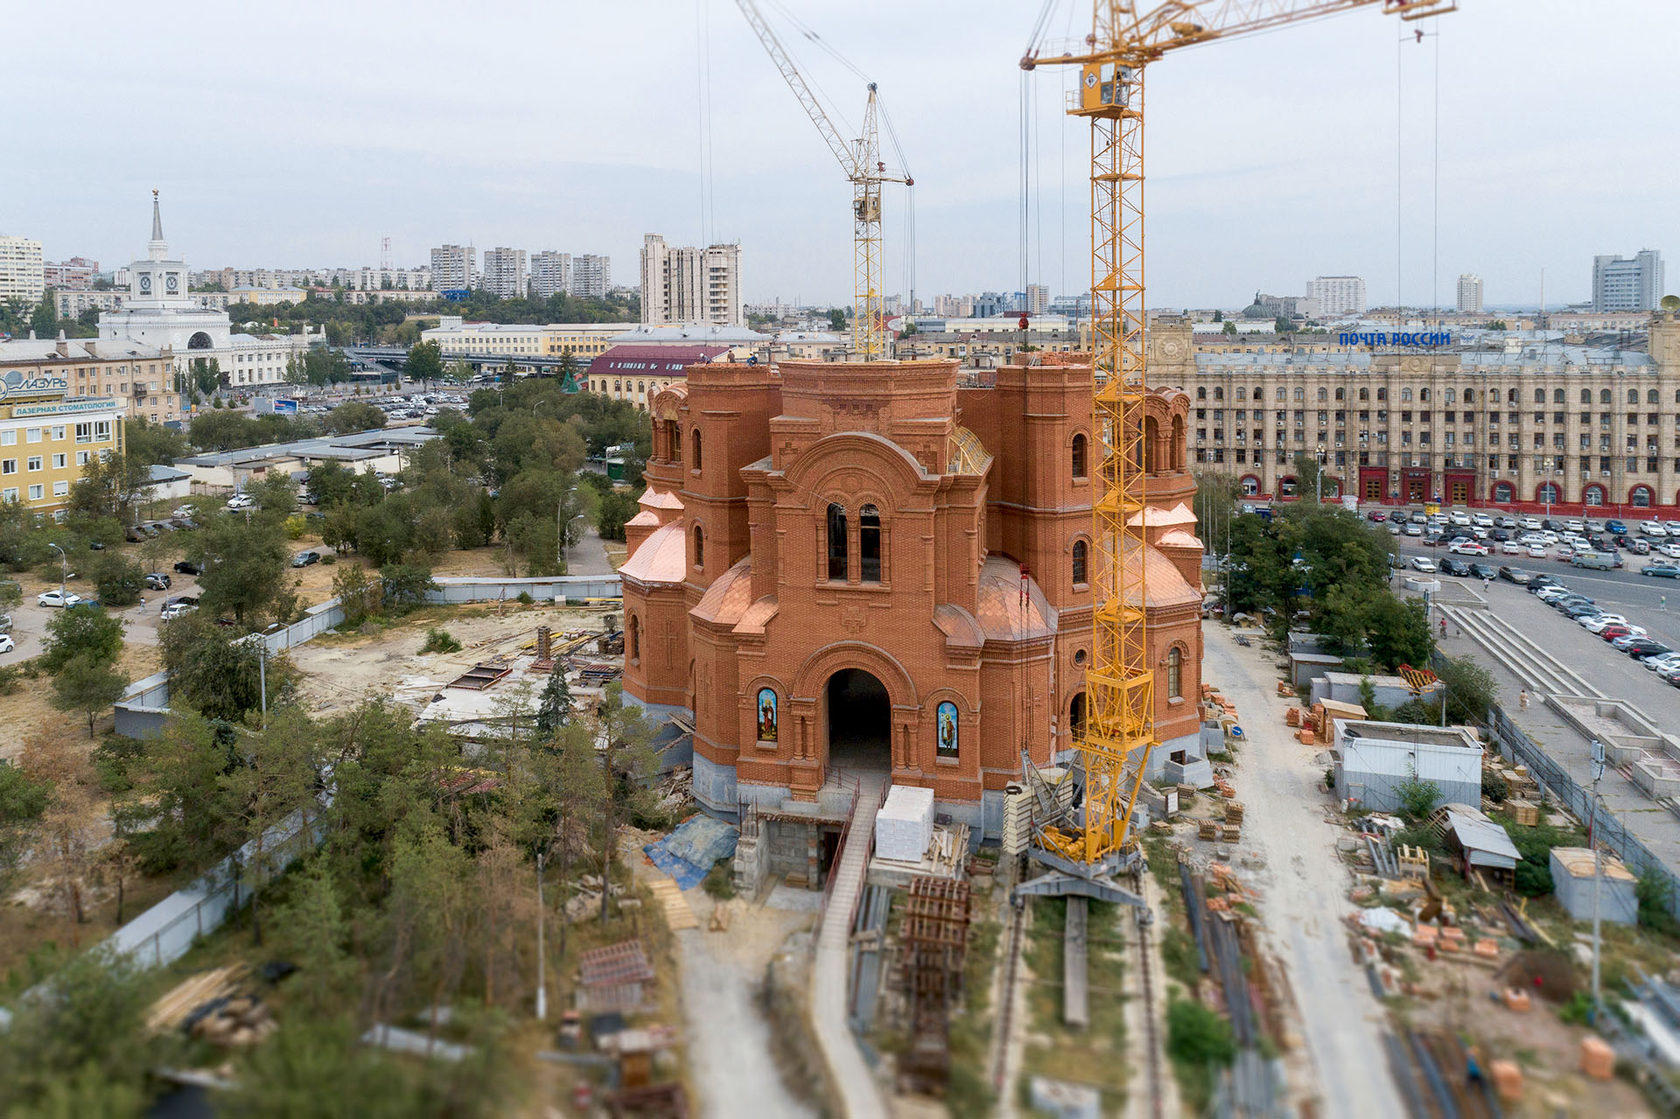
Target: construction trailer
1372	761
1573	878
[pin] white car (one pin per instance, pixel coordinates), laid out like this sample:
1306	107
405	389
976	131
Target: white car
1414	530
1459	517
1594	524
1672	527
183	511
1530	523
1664	662
1468	547
6	643
1510	548
1394	528
241	501
1597	622
1423	564
1546	594
1536	551
1671	550
1573	525
57	598
1481	520
1652	528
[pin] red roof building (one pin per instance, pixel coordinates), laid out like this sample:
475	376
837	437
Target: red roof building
637	373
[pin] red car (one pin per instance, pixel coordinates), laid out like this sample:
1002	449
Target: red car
1610	633
1376	515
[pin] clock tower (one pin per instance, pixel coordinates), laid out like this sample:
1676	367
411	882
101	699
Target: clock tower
158	282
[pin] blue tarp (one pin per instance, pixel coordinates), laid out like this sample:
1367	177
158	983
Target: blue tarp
689	851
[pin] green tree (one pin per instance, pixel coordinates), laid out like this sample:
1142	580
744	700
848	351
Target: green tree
85	1050
404	586
613	510
88	633
628	764
1417	798
174	814
1282	325
358	596
206	375
554	710
223	431
151	444
87	685
1308	473
1230	327
217	674
837	320
275	781
244	562
1471	690
353	416
23	801
424	362
119	579
1399	632
110	487
1198	1036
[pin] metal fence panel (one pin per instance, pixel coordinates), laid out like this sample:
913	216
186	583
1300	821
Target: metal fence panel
1514	744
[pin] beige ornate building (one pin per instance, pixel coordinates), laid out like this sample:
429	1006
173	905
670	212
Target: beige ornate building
1495	419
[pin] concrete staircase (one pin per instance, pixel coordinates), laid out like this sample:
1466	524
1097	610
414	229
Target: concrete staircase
859	1093
1520	655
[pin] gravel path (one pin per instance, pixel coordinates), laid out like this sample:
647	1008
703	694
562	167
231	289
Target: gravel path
1303	890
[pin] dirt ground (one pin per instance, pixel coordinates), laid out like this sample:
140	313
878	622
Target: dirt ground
343	670
729	1052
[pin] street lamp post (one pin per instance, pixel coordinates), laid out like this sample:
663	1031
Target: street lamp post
63	571
1318	476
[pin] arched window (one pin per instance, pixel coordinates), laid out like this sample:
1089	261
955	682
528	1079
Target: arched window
1364	394
699	547
1549	493
1604	396
1640	497
635	634
1557	396
1539	396
1323	393
1405	395
1201	393
1469	396
697	448
1081	557
1510	396
1076	715
676	442
837	542
869	544
1504	492
1633	396
1593	495
1175	673
1586	396
1079	456
1423	394
1651	396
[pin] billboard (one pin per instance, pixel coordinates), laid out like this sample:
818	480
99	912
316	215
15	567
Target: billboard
285	407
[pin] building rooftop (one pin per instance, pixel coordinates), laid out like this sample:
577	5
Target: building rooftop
676	334
1413	734
78	349
651	360
343	448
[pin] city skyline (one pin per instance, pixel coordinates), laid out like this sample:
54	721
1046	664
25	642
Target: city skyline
354	161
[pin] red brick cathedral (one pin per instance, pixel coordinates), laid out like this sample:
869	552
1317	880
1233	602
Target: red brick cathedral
842	564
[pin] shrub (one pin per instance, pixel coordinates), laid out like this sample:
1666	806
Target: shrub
1655	893
440	641
719	881
1417	798
1198	1036
525	598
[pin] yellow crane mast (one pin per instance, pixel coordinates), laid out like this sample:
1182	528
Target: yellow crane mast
861	160
1083	852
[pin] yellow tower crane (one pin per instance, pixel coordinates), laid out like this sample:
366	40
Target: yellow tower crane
861	160
1084	850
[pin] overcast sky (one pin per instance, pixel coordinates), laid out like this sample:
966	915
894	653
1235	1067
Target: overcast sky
300	134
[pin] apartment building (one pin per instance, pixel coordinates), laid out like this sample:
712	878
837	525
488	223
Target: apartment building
691	285
454	268
504	272
22	272
551	273
75	274
1337	296
47	435
1469	294
1622	283
591	276
1493	418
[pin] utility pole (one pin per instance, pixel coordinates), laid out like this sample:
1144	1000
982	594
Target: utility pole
262	677
1598	869
542	957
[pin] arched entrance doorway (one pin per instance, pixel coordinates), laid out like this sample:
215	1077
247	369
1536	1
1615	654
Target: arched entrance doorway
859	721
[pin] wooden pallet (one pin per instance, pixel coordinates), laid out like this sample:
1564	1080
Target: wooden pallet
678	913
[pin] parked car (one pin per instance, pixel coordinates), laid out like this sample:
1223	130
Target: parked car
188	567
1662	662
305	558
1530	523
1605	620
1597	561
183	511
1615	527
1459	517
57	598
1414	529
1661	571
177	605
1515	575
5	623
1481	520
158	581
1652	528
241	501
1376	515
1538	583
1455	567
1468	547
1580	610
1636	546
1641	647
1423	564
6	643
1484	571
1620	644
